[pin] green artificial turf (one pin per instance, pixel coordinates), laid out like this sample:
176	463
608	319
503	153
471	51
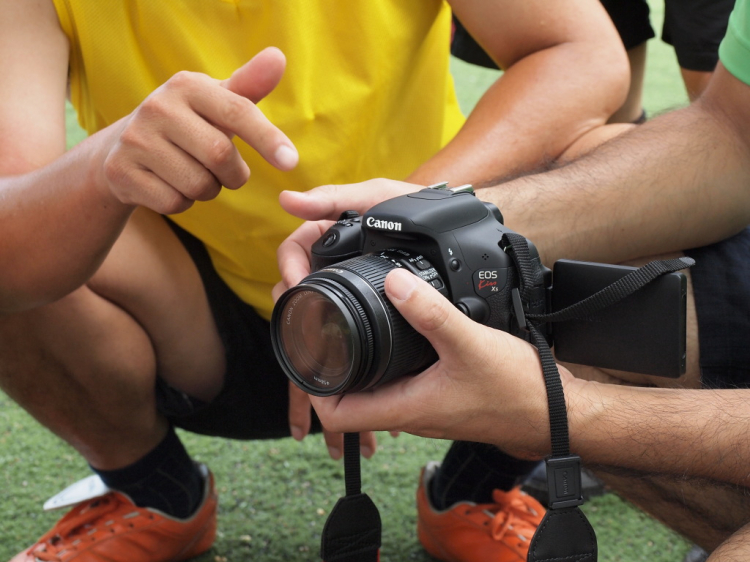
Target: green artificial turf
275	495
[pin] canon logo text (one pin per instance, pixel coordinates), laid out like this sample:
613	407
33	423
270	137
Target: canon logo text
383	225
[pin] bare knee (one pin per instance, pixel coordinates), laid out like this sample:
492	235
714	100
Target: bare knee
592	139
80	344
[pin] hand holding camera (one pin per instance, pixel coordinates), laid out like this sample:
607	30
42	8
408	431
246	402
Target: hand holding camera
336	332
486	386
339	335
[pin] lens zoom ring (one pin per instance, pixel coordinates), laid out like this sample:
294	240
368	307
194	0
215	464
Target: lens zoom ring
409	346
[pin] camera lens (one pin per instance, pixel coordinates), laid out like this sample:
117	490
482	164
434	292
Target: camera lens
322	341
337	332
319	335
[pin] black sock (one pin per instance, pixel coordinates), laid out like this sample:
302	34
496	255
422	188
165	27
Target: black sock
471	471
165	479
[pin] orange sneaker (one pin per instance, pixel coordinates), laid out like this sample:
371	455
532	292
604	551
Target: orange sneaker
468	532
111	528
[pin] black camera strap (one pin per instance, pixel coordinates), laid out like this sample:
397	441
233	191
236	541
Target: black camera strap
352	531
565	533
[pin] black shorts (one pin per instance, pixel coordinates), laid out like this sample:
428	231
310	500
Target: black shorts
693	27
721	286
253	403
631	18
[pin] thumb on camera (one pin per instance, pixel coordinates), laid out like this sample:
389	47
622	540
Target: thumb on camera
428	312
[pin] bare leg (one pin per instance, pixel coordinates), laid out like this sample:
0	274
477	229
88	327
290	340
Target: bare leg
592	139
695	82
622	120
735	549
85	365
706	512
632	109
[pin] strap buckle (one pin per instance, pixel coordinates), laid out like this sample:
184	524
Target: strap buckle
564	481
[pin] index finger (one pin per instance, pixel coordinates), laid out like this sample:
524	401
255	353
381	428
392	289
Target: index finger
384	408
329	201
237	115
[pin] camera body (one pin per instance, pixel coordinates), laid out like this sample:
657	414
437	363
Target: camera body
336	332
447	237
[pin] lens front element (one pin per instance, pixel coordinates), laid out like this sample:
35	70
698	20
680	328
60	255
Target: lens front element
337	332
322	337
318	339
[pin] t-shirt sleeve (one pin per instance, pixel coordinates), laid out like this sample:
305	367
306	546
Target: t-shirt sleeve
734	51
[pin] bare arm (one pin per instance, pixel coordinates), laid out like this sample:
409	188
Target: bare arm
488	386
679	181
61	213
44	215
565	74
695	433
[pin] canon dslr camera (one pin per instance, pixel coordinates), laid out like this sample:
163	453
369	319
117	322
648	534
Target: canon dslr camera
336	332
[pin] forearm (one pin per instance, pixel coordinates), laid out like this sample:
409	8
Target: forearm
536	110
677	182
685	433
57	223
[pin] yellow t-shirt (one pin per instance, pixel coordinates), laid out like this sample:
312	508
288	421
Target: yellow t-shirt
367	93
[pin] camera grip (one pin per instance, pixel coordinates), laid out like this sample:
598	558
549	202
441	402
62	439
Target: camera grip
501	309
340	242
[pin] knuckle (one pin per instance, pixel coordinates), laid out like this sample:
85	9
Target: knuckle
210	192
173	202
332	193
282	251
116	170
436	317
203	187
334	190
236	109
156	106
132	137
220	153
242	177
181	79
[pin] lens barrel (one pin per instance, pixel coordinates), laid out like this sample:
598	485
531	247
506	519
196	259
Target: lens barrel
336	332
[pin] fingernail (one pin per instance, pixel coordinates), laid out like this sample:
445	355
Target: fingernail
286	157
401	284
297	433
297	193
334	452
366	452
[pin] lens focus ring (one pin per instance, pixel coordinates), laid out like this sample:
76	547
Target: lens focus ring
366	338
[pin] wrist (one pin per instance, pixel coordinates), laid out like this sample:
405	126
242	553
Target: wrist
587	402
96	149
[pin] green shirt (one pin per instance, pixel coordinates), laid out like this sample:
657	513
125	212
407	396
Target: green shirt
734	51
